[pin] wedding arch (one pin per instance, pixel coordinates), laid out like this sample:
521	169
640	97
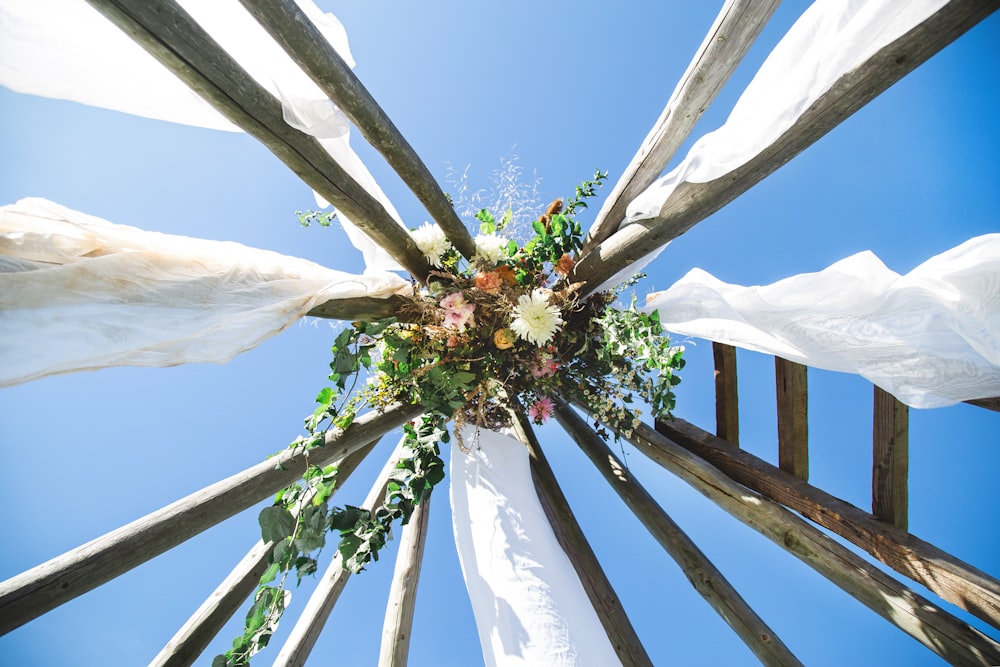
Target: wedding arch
848	55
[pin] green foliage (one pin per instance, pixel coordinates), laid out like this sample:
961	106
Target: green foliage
307	218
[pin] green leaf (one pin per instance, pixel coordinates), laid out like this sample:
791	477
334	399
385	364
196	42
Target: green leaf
276	523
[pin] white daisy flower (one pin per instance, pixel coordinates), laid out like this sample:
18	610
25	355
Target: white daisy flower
534	319
432	242
491	247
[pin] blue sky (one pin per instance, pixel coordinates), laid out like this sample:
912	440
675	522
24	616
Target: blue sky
568	87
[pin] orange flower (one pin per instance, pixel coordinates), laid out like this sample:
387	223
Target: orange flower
489	281
565	264
506	273
504	339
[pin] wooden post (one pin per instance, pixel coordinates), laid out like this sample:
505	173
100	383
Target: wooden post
700	571
292	29
171	36
727	404
42	588
939	631
602	596
950	578
890	459
398	624
295	651
793	417
691	203
190	641
734	31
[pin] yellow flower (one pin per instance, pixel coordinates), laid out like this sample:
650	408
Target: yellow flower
503	339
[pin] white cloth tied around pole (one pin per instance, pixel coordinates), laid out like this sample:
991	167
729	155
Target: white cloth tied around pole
529	604
930	337
831	38
78	292
66	49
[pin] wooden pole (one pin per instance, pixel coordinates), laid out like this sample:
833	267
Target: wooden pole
309	625
952	579
42	588
728	40
191	639
700	571
890	459
398	625
691	203
292	29
792	394
363	308
939	631
171	36
727	403
602	596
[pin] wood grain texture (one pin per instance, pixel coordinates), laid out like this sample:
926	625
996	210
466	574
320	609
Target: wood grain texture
42	588
728	40
361	308
703	575
945	575
602	596
302	41
171	36
792	394
691	203
727	403
890	459
196	634
988	403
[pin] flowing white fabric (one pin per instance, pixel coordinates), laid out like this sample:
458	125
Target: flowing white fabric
78	292
831	38
530	607
930	337
66	49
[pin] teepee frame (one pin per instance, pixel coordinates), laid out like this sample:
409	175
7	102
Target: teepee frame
766	497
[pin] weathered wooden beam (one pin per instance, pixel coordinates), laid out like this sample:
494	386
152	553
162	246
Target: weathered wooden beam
361	308
703	575
890	459
602	596
201	628
988	403
42	588
727	402
177	41
691	203
792	393
300	642
728	40
398	624
299	37
948	577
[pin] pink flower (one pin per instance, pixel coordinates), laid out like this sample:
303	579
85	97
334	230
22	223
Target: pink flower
541	410
457	312
545	366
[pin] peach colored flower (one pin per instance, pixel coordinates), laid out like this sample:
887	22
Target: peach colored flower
506	273
565	264
504	339
489	281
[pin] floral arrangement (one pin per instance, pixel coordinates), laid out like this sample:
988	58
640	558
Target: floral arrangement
504	330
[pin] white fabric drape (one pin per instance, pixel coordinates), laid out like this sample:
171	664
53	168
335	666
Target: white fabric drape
930	337
831	38
530	607
78	292
67	50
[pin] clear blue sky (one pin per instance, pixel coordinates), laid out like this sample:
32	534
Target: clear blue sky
574	86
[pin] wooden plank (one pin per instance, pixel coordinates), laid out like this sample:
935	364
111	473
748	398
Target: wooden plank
945	575
691	203
728	40
955	641
602	596
890	459
292	29
171	36
361	308
301	640
398	623
700	571
988	403
42	588
727	403
194	636
791	385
